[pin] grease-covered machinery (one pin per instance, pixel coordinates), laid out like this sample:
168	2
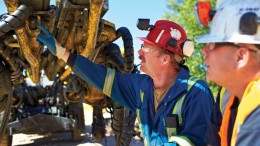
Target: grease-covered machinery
78	26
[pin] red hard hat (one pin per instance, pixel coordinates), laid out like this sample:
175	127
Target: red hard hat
171	36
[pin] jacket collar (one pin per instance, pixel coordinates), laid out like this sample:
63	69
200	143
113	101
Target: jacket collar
177	88
180	84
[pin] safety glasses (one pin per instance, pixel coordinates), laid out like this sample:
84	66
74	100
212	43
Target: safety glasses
212	46
146	49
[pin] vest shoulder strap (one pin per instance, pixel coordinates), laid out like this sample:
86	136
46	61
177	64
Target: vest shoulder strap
172	132
178	106
176	110
224	96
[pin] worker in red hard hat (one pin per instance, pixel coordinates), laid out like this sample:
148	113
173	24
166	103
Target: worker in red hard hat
232	58
171	38
172	106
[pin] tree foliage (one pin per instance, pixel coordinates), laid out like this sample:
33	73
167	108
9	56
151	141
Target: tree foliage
182	12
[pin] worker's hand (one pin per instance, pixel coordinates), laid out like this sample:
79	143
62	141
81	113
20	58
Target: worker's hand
46	38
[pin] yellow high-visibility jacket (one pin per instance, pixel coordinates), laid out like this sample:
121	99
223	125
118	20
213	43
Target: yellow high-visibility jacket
247	127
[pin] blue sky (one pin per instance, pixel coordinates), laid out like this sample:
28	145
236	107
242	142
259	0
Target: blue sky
125	13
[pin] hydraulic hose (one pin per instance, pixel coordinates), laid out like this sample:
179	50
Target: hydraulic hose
128	48
14	21
16	75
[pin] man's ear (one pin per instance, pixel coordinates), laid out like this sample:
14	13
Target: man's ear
243	55
165	59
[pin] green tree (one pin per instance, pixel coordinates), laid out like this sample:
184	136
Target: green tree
182	12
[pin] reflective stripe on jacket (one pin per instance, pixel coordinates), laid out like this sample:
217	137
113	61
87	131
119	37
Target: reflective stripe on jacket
177	110
130	89
172	132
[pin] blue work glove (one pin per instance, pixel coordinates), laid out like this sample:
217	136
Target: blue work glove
46	38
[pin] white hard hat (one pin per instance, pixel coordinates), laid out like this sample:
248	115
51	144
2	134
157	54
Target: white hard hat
236	21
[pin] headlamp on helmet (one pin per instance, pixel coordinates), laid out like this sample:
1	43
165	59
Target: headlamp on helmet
236	21
203	13
144	24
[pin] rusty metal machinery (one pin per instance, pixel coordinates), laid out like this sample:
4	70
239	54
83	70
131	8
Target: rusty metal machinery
5	97
79	26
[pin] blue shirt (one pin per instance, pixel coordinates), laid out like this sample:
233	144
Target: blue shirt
128	88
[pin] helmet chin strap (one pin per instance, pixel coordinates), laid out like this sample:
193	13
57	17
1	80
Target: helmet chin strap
181	63
179	59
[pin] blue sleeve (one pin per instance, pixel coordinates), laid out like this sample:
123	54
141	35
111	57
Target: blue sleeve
126	90
198	106
88	71
212	137
249	132
122	88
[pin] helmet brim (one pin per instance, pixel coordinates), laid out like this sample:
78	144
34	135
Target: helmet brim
145	40
235	38
207	38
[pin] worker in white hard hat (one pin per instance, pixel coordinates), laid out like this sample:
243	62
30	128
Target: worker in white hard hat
232	58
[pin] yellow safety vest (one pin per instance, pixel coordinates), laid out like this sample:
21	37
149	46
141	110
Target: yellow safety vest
225	102
172	132
249	102
224	97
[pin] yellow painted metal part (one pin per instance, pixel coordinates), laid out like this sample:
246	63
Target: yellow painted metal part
94	18
22	36
108	34
65	74
30	56
12	5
